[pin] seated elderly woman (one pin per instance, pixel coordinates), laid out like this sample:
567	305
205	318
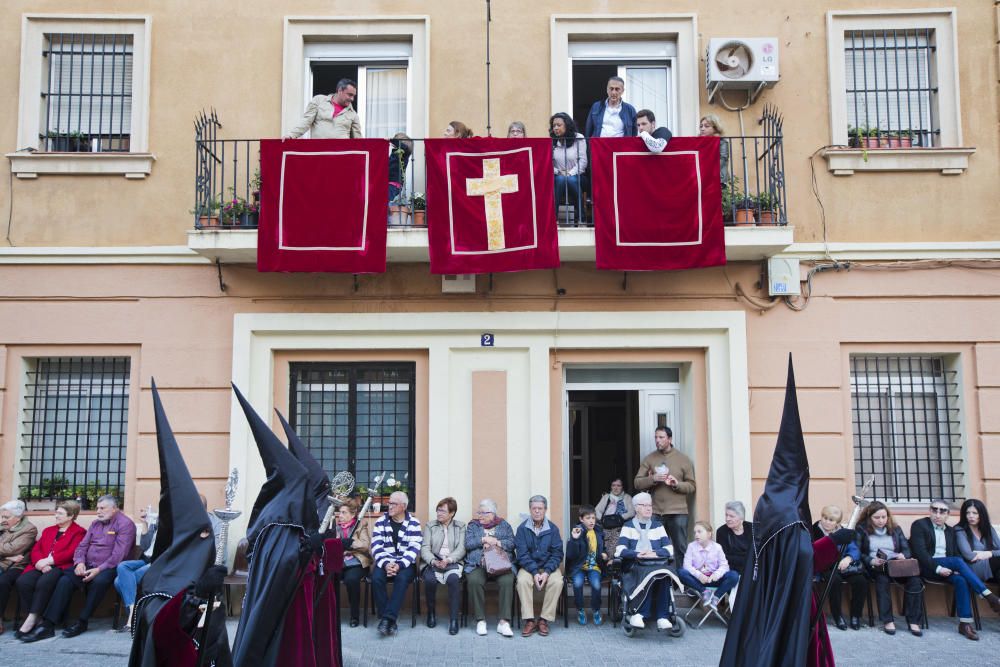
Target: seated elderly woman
17	536
443	553
50	557
734	536
977	540
357	558
488	532
849	571
645	551
613	510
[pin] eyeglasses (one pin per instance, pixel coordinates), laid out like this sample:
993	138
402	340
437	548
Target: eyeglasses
442	510
392	502
643	504
940	510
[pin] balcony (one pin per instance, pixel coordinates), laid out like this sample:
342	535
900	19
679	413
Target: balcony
227	200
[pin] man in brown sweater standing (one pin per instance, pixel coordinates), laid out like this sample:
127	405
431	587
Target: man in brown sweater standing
668	476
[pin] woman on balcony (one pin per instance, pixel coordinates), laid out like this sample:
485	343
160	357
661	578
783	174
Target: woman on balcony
569	160
457	130
711	126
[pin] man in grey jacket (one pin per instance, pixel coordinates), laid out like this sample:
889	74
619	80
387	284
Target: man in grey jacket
331	116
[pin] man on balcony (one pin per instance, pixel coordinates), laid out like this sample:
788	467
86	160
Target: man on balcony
656	138
612	117
331	116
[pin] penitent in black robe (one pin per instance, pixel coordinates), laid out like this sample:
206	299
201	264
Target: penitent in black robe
770	624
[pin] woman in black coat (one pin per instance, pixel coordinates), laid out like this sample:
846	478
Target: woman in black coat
881	540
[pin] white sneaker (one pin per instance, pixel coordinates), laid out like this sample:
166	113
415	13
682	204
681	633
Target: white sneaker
635	620
481	628
503	627
663	624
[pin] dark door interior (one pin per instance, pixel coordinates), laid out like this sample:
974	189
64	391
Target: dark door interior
603	443
590	84
327	74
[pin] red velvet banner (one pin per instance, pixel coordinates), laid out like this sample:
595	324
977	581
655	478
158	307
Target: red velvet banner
657	211
490	205
324	205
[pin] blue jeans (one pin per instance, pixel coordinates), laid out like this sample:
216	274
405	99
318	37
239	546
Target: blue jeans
657	602
965	582
387	606
722	586
595	588
130	573
568	192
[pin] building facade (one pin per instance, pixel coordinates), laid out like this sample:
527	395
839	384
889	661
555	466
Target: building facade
508	385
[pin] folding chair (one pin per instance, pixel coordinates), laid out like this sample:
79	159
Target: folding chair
709	610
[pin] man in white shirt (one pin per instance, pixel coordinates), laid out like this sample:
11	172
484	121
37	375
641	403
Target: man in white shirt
612	117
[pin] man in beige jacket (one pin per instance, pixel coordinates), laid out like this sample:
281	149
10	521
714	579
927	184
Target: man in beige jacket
330	116
668	476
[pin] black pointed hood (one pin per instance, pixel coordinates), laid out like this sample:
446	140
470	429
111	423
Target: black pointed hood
286	496
180	553
318	480
786	492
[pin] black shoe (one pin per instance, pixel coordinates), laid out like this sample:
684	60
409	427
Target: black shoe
855	623
393	628
453	627
43	631
74	630
355	622
839	622
385	627
888	631
431	619
20	635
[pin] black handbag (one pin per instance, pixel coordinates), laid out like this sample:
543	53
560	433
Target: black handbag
612	521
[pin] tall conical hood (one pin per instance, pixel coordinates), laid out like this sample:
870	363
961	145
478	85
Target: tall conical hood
180	553
786	492
286	496
318	481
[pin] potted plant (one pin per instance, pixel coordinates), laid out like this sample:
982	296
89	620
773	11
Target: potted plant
207	214
399	211
237	211
255	188
856	136
906	138
767	207
47	493
873	138
744	205
419	209
730	194
893	139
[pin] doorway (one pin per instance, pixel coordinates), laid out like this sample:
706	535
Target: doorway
590	84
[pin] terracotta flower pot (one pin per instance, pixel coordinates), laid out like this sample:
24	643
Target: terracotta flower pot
905	142
420	218
872	142
744	216
893	142
399	216
768	217
205	221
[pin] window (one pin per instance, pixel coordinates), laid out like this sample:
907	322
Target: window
86	93
894	92
83	96
75	428
904	413
357	417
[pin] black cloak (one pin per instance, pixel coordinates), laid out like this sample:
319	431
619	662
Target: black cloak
770	624
318	481
184	549
282	518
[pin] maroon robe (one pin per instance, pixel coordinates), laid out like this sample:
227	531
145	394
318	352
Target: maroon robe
297	644
825	554
327	618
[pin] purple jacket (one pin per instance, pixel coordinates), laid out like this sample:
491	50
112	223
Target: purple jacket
710	560
106	543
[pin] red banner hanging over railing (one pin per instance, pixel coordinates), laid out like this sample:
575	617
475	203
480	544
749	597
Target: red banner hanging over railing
490	205
657	211
324	205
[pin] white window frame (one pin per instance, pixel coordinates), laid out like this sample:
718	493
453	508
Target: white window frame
681	29
952	158
138	162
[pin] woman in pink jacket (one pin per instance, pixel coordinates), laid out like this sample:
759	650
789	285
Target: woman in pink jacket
706	568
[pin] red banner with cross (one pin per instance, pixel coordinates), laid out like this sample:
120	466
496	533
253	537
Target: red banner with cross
324	205
657	211
490	205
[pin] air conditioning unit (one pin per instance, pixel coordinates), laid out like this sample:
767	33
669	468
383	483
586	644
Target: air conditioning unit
741	63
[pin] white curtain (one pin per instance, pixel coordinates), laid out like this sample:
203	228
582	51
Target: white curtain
385	102
646	88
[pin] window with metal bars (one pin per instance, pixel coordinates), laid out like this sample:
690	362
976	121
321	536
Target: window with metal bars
905	419
357	417
75	428
87	93
891	88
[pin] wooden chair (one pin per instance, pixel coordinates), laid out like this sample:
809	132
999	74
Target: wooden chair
414	602
238	576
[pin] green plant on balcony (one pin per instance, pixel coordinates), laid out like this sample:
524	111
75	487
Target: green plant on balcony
207	213
237	211
856	136
419	209
767	207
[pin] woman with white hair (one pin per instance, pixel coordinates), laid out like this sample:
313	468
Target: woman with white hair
734	536
17	536
488	532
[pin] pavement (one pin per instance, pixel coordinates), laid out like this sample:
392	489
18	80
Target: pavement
593	646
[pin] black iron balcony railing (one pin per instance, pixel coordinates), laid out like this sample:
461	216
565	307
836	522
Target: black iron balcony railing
227	181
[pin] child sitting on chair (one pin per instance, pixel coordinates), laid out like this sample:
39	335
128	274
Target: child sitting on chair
585	556
706	567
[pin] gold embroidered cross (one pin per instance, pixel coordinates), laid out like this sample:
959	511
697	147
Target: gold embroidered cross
491	187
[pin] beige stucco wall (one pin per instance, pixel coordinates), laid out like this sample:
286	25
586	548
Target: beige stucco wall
228	56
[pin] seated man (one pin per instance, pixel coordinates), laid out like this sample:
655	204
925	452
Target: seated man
656	138
107	542
644	548
395	547
539	554
933	543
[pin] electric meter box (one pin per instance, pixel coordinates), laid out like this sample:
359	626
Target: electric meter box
783	277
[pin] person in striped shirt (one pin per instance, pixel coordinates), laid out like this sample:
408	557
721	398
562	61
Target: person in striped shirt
395	547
